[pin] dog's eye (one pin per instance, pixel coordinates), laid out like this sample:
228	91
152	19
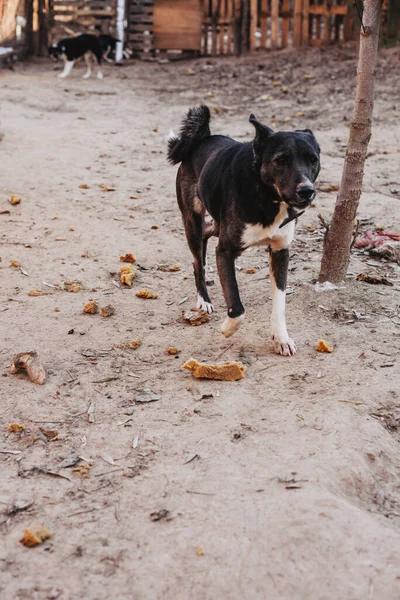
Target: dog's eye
281	160
314	160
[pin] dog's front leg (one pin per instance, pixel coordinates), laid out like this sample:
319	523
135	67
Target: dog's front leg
278	268
67	69
226	272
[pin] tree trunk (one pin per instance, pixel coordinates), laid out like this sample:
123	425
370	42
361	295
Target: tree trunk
337	243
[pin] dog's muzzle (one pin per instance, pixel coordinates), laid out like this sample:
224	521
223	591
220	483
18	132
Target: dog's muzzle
305	194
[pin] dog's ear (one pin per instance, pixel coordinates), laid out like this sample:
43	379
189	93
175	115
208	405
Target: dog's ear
313	138
262	133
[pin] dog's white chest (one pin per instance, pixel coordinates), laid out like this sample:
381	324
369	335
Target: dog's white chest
255	234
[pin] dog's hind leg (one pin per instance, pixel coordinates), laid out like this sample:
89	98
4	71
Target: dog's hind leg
193	221
97	54
106	55
88	67
226	270
278	268
209	230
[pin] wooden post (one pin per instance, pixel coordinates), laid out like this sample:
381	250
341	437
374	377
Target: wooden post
285	23
274	23
327	22
306	23
120	30
43	33
253	23
297	24
237	22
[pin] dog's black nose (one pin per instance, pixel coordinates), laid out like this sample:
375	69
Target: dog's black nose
306	192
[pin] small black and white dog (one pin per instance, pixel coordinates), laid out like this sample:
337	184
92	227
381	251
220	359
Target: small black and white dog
72	48
254	192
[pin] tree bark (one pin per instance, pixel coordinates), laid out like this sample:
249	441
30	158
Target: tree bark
337	243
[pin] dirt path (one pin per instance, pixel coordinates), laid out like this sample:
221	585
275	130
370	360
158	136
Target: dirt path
288	481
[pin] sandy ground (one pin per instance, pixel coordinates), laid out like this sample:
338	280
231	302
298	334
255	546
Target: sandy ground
283	485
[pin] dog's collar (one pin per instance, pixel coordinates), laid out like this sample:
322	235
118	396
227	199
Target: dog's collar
292	214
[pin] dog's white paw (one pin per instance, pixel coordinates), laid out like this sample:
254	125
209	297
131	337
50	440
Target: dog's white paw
284	345
206	306
61	76
99	75
230	326
86	76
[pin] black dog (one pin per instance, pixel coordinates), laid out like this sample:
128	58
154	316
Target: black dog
72	48
254	192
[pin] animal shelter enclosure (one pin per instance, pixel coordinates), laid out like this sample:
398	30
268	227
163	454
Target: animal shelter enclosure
199	27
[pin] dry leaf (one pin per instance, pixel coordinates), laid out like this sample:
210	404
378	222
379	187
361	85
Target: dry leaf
285	90
15	264
323	346
16	427
107	188
91	307
276	83
127	258
174	268
82	470
146	295
132	345
72	229
72	286
373	278
127	275
60	239
84	186
30	362
172	351
38	293
14	199
200	551
251	270
50	433
196	316
329	188
226	371
107	311
34	535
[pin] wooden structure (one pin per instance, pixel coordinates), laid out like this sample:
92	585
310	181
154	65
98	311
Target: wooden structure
186	16
203	27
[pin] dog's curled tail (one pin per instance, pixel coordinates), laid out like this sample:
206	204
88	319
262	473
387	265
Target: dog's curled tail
195	127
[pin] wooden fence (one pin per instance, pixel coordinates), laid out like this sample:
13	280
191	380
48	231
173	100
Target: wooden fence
205	27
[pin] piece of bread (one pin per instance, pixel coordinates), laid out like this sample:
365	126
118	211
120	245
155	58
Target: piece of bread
146	295
323	346
226	371
30	362
128	258
196	316
127	275
34	535
91	308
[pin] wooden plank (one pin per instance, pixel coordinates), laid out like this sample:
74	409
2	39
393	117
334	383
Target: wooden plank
285	23
253	22
229	28
274	23
297	22
177	24
306	24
